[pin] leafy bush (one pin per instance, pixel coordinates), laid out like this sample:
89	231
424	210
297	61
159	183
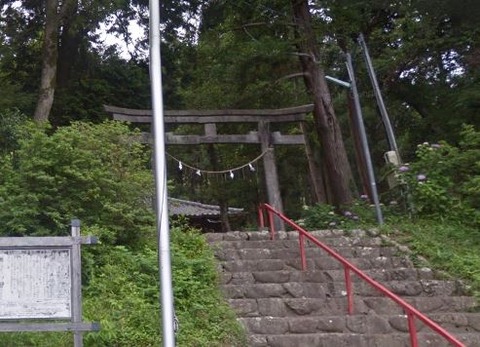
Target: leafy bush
205	318
324	216
123	295
10	121
92	172
444	180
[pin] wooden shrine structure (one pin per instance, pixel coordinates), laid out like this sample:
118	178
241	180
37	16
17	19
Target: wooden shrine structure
263	136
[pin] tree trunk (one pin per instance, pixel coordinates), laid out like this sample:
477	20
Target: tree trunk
68	50
316	176
327	126
55	12
49	64
224	216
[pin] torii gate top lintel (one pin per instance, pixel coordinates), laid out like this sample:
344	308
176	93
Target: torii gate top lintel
291	114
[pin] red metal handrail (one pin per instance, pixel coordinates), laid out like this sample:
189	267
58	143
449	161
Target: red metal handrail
410	311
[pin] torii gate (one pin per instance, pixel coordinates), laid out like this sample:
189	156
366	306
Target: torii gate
209	118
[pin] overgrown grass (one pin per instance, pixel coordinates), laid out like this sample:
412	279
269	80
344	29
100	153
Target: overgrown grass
448	245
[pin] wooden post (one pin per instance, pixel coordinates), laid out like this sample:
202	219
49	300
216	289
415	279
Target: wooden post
210	131
76	283
271	175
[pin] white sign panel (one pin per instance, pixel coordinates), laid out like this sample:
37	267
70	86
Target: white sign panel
35	283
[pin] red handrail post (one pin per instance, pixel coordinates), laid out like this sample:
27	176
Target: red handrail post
412	329
301	243
348	285
261	220
272	224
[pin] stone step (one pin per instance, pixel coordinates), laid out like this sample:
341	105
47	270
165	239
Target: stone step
319	276
453	322
319	263
282	235
226	254
358	340
287	307
282	306
338	289
340	241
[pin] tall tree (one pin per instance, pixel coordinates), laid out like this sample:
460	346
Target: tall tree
55	13
52	48
327	125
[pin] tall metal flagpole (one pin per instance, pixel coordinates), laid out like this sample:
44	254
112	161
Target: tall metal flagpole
363	138
161	205
378	95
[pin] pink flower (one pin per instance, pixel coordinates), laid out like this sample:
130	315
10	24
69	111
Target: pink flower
421	177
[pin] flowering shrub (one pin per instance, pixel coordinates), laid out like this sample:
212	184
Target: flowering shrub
444	180
320	216
324	216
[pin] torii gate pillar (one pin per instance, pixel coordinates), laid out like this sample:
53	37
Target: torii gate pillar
271	174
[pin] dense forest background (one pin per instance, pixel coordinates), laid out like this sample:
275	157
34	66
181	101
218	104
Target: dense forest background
55	67
62	157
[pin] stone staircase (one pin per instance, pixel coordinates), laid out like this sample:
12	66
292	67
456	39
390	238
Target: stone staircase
282	306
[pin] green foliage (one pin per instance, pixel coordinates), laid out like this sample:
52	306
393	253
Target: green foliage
10	120
122	296
100	175
12	96
111	81
449	246
121	293
205	318
320	216
243	58
444	180
324	216
92	172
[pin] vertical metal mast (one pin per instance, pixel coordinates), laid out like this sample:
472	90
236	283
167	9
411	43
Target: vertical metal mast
378	95
363	137
163	230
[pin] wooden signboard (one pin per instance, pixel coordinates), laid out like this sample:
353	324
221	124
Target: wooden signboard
35	283
40	279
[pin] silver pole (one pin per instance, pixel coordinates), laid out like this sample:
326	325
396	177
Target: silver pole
378	95
337	81
161	206
363	138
